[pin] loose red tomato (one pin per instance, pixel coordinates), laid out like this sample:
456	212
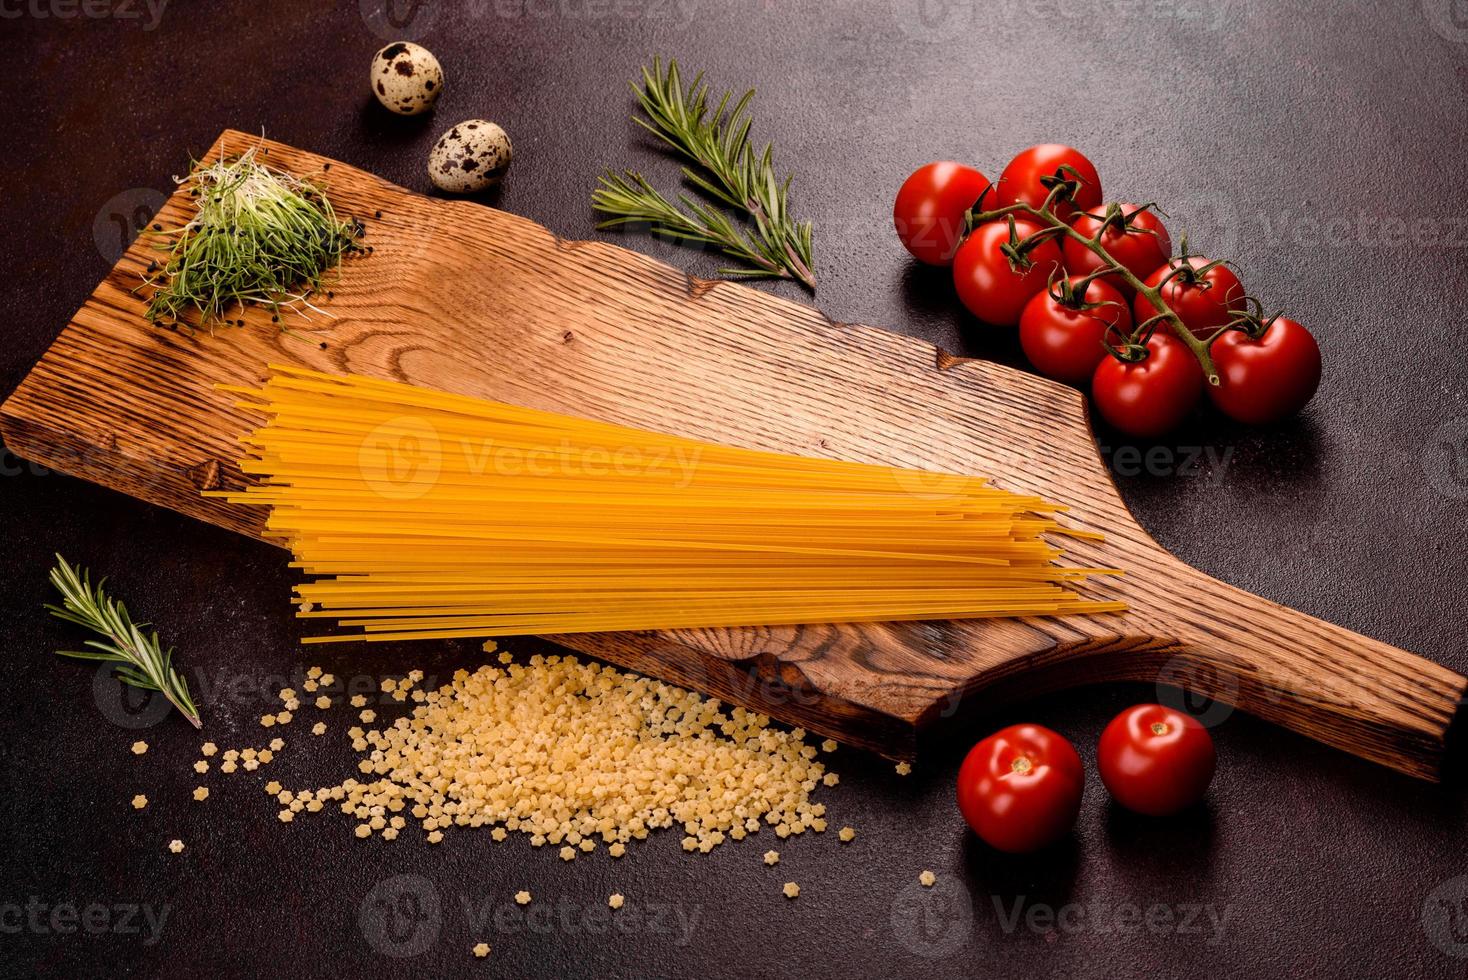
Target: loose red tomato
987	285
1020	788
1268	378
1139	245
1204	301
1032	173
1155	760
1148	398
930	208
1064	342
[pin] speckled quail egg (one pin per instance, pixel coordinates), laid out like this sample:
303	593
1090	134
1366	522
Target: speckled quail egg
406	78
470	157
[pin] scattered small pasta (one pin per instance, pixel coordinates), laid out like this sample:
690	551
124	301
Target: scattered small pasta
927	878
481	950
904	768
792	890
567	752
139	801
616	901
522	898
139	747
201	793
176	846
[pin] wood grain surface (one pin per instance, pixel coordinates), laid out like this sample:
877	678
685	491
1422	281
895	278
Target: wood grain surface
469	299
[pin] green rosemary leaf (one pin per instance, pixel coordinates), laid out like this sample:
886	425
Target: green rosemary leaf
142	661
724	166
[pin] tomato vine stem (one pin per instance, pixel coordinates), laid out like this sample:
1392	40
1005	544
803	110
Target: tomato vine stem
1056	226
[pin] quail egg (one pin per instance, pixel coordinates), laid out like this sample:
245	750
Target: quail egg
406	78
470	157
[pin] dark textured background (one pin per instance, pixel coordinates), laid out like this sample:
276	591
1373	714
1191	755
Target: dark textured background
1318	142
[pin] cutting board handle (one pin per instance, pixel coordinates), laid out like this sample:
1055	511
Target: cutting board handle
1369	698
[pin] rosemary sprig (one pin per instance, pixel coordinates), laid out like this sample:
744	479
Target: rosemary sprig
142	663
259	235
727	168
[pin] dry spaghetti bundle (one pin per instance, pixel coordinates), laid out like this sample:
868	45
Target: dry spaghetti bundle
420	514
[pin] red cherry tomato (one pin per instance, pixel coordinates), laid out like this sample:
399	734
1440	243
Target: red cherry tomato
930	209
1020	788
1026	176
987	285
1268	379
1064	342
1155	760
1140	247
1204	302
1150	397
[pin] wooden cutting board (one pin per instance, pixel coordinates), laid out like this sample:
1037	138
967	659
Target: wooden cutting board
469	299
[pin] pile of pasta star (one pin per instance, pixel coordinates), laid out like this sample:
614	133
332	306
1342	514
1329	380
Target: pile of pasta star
571	754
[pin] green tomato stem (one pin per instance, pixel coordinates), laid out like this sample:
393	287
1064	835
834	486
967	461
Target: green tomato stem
1046	216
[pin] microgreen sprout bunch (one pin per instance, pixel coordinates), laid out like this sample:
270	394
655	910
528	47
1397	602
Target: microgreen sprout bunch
258	235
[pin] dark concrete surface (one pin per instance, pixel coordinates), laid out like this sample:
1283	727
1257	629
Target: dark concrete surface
1320	143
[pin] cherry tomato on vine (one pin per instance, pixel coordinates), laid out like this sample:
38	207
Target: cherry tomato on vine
1063	341
1020	788
1155	760
1203	301
1149	397
930	208
1268	378
1140	245
1026	177
987	286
